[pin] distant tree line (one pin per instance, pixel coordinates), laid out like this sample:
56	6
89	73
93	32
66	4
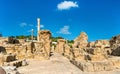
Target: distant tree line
54	39
12	40
24	37
70	41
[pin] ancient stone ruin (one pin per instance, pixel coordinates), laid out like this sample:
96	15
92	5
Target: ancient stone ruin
115	45
42	48
100	55
81	41
14	52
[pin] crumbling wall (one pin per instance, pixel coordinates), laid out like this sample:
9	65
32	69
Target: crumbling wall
60	47
43	48
93	56
115	45
81	41
30	50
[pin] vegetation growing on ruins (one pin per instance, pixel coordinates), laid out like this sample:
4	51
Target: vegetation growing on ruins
54	39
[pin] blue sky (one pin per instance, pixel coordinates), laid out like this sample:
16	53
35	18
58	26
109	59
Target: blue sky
100	19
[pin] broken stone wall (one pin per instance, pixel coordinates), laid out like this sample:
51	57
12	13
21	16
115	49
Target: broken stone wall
115	45
81	41
43	47
60	47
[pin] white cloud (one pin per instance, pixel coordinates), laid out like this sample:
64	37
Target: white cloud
42	26
66	5
23	24
64	30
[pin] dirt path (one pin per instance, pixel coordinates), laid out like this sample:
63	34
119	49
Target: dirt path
57	64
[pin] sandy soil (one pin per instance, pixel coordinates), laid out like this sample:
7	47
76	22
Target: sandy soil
57	64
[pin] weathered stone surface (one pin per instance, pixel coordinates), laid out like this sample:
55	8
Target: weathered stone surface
86	66
94	66
91	44
79	54
67	51
115	61
92	56
102	43
10	48
60	46
29	50
1	59
81	41
99	50
115	45
42	48
96	57
44	35
3	41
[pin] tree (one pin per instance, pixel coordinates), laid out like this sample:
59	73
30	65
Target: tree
54	39
25	37
71	41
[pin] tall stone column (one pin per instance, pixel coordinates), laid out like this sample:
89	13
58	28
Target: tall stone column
38	29
32	34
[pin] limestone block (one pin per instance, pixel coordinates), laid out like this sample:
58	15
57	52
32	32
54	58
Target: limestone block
81	41
21	56
44	47
115	61
67	51
1	59
102	43
76	52
91	44
97	51
97	57
86	67
10	49
60	46
102	65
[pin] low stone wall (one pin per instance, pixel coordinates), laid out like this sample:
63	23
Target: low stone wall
16	63
94	66
92	56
